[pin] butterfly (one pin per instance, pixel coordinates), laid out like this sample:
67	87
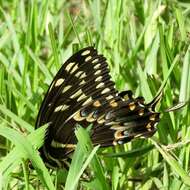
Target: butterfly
83	93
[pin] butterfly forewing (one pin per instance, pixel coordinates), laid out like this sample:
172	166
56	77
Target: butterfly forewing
81	80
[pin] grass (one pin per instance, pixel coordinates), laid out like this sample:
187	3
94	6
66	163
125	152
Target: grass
146	44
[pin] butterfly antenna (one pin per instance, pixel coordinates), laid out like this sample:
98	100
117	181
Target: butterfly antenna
155	101
176	107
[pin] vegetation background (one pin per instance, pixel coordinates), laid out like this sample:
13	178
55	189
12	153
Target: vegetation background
146	43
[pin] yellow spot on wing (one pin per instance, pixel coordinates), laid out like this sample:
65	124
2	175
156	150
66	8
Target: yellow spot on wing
58	108
74	68
88	58
100	85
82	82
87	101
116	126
78	73
90	118
141	112
77	116
152	117
66	88
97	66
76	94
86	52
81	97
118	135
148	126
105	90
56	144
132	106
59	82
61	108
139	135
97	103
70	145
109	97
64	108
68	67
97	72
95	60
83	75
99	78
101	119
113	103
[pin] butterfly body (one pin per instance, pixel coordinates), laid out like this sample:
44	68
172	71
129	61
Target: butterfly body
83	93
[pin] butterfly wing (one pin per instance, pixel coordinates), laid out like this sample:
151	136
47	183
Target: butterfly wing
82	93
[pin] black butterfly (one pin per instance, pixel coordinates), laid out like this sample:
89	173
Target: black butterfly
82	93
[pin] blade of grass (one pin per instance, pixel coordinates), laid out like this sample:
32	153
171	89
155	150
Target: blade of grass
26	148
54	46
16	118
172	162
